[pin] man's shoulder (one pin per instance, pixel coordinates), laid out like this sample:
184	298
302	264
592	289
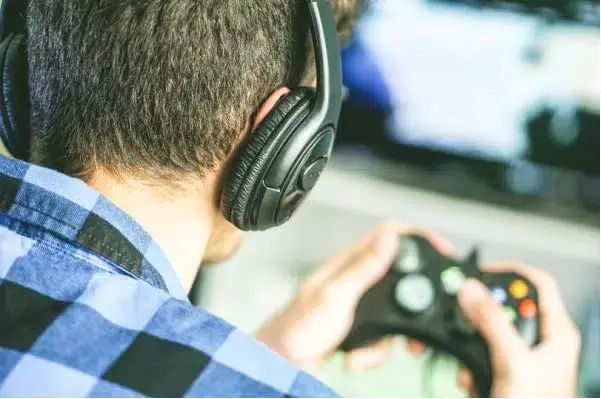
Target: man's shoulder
84	330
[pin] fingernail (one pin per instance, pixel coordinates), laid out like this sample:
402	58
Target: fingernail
472	293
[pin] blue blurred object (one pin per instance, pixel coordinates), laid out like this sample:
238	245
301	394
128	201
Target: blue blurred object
363	78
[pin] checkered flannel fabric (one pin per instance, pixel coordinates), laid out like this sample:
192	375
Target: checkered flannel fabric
90	306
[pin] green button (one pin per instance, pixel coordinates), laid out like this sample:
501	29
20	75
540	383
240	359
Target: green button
511	313
452	278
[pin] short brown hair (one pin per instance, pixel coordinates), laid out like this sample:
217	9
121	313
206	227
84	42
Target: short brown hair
161	88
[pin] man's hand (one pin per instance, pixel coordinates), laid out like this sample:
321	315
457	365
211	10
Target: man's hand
547	370
314	324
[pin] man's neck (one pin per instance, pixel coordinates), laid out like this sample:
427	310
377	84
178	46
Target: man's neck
179	224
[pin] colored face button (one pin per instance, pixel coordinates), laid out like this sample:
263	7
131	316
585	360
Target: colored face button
527	308
518	289
510	312
499	294
452	278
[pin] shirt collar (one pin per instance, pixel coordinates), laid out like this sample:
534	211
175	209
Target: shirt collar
71	209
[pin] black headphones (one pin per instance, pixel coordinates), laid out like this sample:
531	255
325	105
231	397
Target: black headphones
275	169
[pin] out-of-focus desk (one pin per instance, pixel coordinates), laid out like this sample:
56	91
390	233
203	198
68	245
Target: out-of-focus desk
263	276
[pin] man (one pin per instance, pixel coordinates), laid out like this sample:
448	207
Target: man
142	104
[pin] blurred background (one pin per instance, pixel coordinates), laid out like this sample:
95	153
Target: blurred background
477	119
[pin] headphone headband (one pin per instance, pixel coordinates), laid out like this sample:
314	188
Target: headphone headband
326	110
327	57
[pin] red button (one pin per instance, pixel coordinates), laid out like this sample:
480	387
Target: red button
527	308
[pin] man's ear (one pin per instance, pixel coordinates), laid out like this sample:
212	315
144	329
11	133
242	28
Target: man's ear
269	104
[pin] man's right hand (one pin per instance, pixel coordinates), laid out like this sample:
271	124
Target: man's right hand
546	370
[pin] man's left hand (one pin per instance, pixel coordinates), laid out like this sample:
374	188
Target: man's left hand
313	325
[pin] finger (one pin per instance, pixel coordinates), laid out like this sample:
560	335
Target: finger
415	347
488	317
363	272
357	279
441	244
383	243
554	316
381	252
369	357
347	255
464	379
337	263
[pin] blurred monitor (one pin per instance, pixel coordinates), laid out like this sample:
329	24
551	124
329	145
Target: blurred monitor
499	100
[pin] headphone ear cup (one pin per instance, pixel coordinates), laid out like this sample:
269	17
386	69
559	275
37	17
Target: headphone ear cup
254	158
14	96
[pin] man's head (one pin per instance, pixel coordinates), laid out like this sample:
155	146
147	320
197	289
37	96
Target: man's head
161	91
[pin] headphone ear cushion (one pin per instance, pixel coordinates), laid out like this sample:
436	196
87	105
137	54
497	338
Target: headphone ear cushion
14	101
258	152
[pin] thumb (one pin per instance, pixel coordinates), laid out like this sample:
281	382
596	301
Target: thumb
489	318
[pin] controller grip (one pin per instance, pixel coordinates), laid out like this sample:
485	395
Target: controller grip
359	338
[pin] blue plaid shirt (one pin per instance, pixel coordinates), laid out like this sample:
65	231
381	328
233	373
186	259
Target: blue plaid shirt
90	306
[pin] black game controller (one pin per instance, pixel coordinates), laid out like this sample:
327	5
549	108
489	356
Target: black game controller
417	298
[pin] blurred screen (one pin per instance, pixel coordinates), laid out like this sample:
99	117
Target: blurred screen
507	83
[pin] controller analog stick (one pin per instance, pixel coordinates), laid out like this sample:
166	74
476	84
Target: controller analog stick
414	293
